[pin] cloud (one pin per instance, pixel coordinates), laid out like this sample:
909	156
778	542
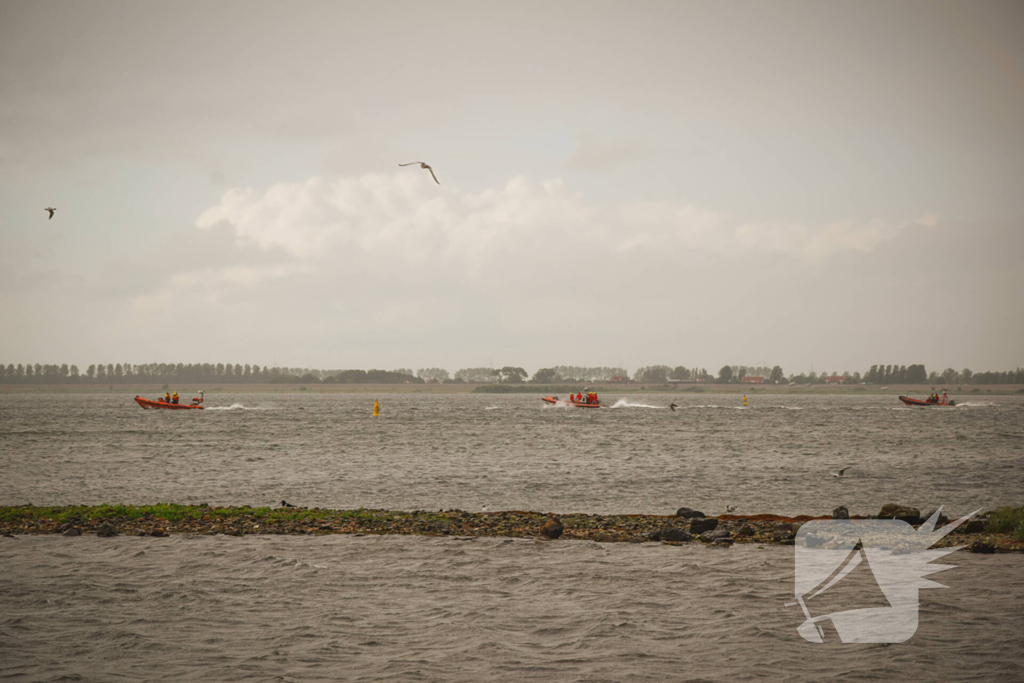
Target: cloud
405	219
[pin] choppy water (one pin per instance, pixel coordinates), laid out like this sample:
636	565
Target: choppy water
392	608
515	452
263	608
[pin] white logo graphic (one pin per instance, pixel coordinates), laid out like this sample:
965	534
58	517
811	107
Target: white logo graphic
888	554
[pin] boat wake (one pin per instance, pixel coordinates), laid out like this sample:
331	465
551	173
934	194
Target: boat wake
623	403
233	406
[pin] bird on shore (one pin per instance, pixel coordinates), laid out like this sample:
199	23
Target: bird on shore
729	509
51	209
423	165
673	406
286	504
840	472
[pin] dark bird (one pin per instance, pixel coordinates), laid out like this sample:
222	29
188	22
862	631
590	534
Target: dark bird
840	472
673	406
423	165
286	504
51	210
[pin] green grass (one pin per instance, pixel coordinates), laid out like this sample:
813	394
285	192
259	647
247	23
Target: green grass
185	513
1007	520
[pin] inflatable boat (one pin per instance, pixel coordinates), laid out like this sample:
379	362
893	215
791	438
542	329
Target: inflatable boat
553	400
149	403
916	402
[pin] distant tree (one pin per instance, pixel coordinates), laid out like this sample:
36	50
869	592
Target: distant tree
432	374
680	373
101	372
741	374
545	375
477	375
511	375
966	375
725	374
656	374
950	376
776	375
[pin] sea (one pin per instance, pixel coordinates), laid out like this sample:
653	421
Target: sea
408	608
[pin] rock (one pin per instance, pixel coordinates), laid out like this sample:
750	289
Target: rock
71	531
943	520
159	533
903	512
688	513
974	526
841	513
674	534
699	525
746	530
106	530
714	535
783	531
552	528
813	541
983	547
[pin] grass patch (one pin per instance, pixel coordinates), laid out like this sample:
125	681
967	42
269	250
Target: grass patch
1007	520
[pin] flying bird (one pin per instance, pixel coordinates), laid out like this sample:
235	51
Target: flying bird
51	210
423	165
840	472
673	406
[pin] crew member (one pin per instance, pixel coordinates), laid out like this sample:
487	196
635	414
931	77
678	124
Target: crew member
167	397
174	399
579	396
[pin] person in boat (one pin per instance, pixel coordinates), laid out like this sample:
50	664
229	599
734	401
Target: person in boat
167	397
579	396
174	399
945	397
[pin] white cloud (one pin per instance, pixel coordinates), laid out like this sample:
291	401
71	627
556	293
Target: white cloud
406	219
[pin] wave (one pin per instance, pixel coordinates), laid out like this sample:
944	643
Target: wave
233	406
623	403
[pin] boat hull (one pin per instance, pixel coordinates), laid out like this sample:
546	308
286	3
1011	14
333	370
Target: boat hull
555	402
924	404
148	403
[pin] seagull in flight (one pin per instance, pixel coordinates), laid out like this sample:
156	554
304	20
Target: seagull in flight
673	406
423	165
840	472
51	210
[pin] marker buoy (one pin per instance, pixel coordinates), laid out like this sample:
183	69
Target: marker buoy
376	408
744	399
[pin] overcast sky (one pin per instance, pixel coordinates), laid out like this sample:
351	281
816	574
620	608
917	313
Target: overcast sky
809	184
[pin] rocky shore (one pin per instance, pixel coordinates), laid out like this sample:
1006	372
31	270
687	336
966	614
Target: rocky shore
685	526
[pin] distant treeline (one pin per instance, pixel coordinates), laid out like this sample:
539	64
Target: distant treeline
228	373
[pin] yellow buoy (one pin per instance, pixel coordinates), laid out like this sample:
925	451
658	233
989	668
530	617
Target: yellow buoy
744	399
376	408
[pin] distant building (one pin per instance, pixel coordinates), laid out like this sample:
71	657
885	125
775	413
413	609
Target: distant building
618	379
752	379
837	379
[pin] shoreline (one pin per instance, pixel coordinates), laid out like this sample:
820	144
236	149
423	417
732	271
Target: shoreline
687	527
958	392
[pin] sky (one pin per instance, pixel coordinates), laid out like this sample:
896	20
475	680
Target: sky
815	185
